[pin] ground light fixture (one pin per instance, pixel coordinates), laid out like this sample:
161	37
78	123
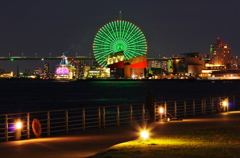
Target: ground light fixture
144	135
18	129
161	111
18	125
225	104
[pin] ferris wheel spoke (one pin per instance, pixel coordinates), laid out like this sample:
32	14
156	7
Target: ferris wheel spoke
128	35
105	36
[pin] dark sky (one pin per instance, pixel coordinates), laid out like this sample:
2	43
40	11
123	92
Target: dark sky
41	27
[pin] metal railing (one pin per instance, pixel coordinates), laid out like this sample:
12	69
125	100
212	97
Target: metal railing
67	120
70	119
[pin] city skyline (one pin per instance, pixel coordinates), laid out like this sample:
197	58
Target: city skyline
50	28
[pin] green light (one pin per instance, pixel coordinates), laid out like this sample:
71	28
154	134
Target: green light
11	59
119	36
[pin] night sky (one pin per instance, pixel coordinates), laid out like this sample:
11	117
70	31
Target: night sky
172	27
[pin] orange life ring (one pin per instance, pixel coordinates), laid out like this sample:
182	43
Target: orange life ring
36	127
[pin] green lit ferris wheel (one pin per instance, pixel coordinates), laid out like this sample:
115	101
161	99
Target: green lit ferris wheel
119	36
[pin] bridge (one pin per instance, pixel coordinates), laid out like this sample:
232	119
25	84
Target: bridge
74	58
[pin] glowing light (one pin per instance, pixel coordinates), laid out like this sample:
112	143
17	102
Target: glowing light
161	110
119	36
62	71
144	135
225	103
18	125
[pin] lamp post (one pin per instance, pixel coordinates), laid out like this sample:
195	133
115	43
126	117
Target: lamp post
161	111
18	129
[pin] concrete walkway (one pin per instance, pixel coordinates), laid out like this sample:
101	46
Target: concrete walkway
93	143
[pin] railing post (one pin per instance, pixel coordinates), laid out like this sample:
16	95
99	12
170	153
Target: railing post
103	118
185	109
233	101
131	115
227	107
143	114
194	108
83	119
118	116
28	125
66	120
48	123
154	114
205	106
212	104
6	128
99	117
175	109
165	109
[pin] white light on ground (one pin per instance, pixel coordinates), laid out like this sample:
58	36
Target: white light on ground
144	135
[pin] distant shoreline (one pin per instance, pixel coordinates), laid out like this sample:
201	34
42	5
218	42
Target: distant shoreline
82	80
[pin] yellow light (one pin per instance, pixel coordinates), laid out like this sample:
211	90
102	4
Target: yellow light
161	110
18	125
224	103
144	135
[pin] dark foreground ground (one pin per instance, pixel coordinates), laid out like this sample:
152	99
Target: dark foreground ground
93	143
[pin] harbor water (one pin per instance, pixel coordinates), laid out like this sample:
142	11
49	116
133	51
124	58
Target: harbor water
29	96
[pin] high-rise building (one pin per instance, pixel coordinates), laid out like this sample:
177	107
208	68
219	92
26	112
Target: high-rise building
220	54
46	69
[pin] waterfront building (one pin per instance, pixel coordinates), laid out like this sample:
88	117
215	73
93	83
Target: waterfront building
220	54
7	74
133	68
45	69
37	71
194	63
235	63
64	71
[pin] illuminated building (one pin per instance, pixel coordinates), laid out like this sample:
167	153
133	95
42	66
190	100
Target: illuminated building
98	73
177	63
235	63
133	68
220	54
194	63
64	71
7	74
225	75
46	69
38	71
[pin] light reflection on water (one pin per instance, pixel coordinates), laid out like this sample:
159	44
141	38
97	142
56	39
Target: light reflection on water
35	96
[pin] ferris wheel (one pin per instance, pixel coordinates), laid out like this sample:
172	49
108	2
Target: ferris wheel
119	36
